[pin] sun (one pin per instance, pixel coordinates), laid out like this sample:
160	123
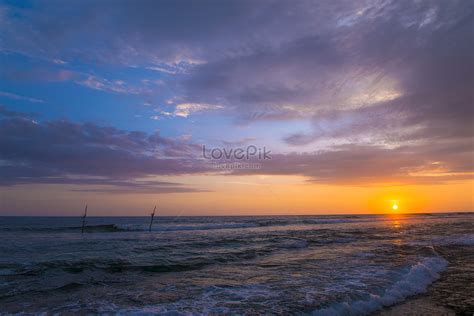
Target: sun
394	207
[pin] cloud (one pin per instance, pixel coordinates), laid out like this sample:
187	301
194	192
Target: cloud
19	97
387	83
239	142
114	86
185	137
95	82
64	152
389	53
41	74
271	60
374	165
159	31
106	158
185	109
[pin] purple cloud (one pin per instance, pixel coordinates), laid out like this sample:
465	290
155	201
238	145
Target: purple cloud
65	152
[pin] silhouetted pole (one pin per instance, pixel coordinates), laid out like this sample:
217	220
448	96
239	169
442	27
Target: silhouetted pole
84	220
152	216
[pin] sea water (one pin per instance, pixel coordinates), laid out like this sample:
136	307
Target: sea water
320	265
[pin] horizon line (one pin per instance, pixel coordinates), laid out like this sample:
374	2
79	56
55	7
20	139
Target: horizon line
255	215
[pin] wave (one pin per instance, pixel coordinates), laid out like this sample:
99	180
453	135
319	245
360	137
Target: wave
212	224
162	228
7	271
88	228
110	267
415	281
453	240
100	228
203	223
465	240
204	226
293	243
111	228
159	227
120	265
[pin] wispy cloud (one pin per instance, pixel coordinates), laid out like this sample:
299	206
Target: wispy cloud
102	84
239	142
185	109
19	97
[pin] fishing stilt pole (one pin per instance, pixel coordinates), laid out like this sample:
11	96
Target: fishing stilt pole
152	216
84	220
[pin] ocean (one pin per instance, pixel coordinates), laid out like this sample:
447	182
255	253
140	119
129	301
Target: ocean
304	265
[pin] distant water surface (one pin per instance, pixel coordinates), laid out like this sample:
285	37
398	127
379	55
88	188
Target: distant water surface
320	265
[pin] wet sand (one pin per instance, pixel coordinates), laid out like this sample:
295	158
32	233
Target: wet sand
417	306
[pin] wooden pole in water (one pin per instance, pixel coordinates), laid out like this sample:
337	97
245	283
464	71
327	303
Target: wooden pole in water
152	216
84	220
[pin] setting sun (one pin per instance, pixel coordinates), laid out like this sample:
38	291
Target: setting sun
394	207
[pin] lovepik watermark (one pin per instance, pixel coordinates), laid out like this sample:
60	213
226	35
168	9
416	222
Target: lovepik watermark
239	153
238	158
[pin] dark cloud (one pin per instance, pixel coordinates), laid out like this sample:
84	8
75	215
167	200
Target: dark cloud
62	152
158	31
107	159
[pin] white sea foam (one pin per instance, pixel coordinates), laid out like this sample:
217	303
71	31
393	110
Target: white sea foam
415	281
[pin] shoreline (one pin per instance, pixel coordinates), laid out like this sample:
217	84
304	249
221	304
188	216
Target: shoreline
451	294
421	304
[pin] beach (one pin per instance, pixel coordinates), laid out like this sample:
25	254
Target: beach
309	265
451	294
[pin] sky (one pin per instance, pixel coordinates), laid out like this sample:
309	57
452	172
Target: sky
361	105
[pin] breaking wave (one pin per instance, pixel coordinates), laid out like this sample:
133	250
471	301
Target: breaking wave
413	282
